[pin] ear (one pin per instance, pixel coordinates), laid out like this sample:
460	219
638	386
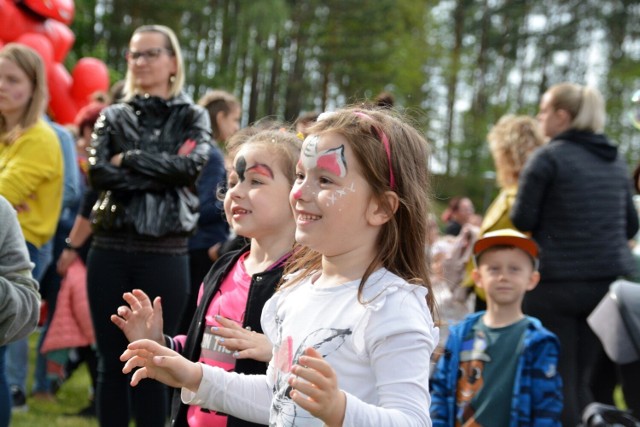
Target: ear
219	116
477	277
564	116
174	65
533	280
381	211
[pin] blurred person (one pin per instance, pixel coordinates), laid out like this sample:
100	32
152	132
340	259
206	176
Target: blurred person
458	212
511	142
212	229
43	388
31	174
146	154
304	121
574	197
385	100
19	295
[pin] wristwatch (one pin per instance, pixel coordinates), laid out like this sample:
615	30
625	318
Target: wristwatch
68	244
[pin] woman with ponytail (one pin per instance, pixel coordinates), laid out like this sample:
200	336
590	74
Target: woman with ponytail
574	196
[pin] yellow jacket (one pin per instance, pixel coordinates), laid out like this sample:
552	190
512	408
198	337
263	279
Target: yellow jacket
31	175
496	218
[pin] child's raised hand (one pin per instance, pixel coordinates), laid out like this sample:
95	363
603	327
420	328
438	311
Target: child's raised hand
315	388
245	344
141	319
161	364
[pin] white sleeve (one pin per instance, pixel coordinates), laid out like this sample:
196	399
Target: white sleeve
399	344
247	397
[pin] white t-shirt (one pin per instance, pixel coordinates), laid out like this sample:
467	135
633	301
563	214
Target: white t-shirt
380	352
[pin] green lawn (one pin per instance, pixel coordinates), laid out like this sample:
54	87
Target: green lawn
72	396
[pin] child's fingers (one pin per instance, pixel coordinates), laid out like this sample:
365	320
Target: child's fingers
228	323
306	402
309	381
142	296
131	299
138	376
233	344
314	360
132	362
118	321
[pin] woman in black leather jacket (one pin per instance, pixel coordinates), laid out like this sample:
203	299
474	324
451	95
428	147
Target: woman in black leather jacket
146	155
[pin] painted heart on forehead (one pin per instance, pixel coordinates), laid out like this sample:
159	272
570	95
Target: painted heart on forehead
331	160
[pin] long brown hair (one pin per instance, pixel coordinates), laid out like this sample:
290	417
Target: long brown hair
401	240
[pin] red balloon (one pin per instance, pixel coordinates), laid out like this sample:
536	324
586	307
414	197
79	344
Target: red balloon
62	106
61	37
40	44
14	22
59	10
90	75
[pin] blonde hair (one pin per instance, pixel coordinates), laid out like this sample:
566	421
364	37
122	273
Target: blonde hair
215	101
283	144
584	104
511	141
400	244
29	61
177	82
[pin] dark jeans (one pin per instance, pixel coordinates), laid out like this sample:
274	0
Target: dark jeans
563	308
111	273
5	394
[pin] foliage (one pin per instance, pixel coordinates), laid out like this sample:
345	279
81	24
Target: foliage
460	64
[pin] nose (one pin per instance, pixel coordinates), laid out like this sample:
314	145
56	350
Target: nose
297	191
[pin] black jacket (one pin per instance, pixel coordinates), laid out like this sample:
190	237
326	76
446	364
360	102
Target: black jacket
262	287
151	193
574	196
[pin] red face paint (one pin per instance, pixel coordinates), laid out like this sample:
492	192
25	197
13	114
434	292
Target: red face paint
333	161
297	194
261	169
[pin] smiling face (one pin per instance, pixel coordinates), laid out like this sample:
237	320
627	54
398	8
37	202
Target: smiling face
505	274
151	63
16	90
332	202
256	202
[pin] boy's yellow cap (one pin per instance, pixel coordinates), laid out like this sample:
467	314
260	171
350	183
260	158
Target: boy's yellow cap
506	237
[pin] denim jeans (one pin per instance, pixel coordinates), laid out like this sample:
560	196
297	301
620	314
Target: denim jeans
18	351
5	396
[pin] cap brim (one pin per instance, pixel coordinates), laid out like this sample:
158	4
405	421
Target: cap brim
527	245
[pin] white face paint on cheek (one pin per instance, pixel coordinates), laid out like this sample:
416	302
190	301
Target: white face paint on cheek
340	194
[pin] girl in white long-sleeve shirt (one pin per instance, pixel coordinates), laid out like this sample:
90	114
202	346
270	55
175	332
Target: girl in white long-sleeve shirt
351	326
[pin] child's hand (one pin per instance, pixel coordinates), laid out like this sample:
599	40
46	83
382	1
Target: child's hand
161	364
141	319
245	343
315	388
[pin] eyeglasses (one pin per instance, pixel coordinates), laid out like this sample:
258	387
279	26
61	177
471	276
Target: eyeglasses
149	55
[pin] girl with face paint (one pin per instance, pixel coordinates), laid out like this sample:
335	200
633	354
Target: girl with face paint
351	325
226	331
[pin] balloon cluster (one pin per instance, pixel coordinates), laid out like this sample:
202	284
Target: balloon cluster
43	26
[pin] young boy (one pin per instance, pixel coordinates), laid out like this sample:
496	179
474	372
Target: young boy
499	366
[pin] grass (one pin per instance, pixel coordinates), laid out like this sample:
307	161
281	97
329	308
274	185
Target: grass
72	396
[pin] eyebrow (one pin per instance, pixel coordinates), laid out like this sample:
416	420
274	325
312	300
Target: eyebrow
261	169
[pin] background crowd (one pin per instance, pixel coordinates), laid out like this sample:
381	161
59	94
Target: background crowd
130	198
